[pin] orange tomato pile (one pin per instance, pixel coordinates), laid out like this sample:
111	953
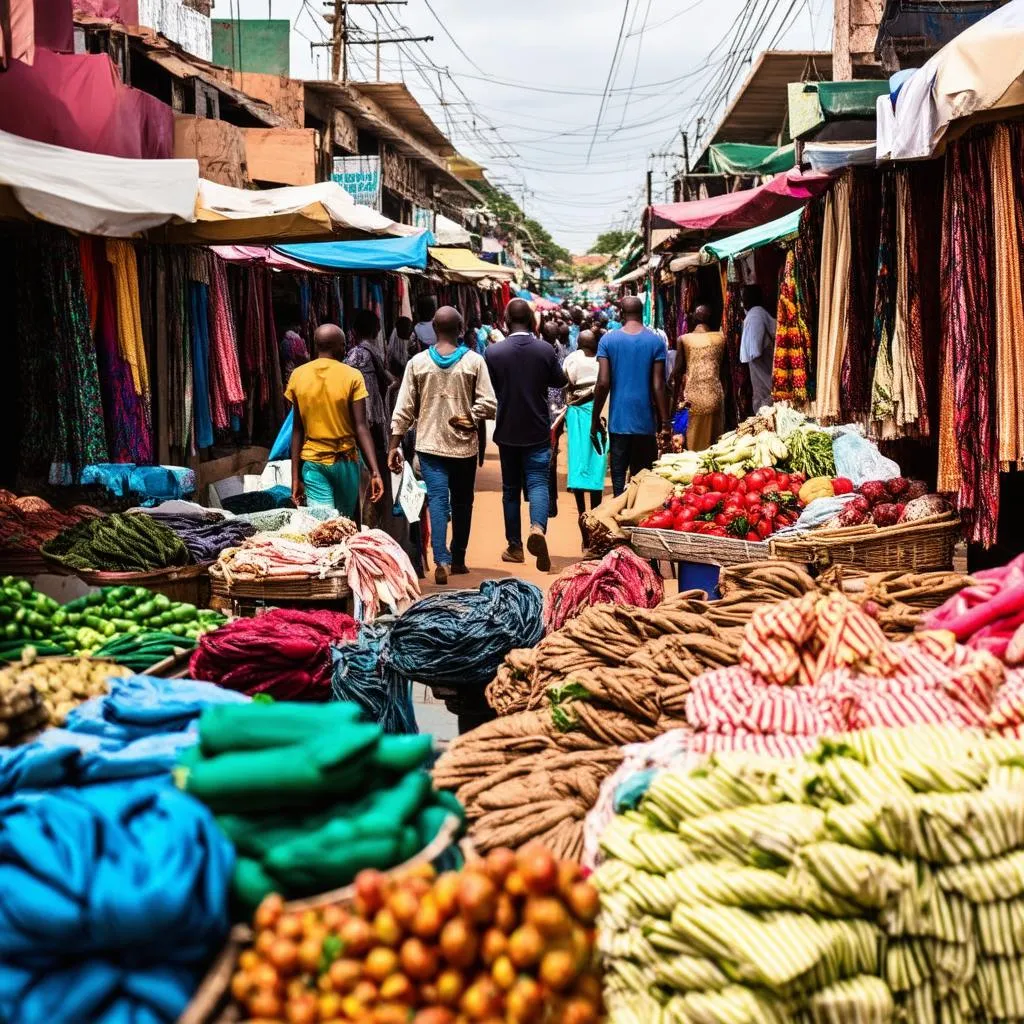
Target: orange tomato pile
507	939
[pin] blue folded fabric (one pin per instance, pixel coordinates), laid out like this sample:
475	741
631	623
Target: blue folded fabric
142	705
95	991
114	899
139	729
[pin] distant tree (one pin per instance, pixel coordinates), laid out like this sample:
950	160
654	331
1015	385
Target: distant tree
610	242
512	221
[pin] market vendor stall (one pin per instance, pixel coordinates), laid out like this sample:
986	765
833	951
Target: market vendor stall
781	486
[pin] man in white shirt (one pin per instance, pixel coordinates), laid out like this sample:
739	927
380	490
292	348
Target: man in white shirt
757	346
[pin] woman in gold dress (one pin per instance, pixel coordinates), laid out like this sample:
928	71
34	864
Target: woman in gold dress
698	384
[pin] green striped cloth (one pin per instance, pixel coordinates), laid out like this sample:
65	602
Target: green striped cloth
880	878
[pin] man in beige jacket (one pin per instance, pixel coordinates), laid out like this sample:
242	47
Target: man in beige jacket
446	392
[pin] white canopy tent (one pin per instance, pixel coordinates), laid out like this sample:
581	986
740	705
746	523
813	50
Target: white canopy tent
93	193
978	74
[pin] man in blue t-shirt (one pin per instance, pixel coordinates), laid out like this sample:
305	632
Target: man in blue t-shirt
631	368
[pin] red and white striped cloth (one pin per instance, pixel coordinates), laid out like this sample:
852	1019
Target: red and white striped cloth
819	665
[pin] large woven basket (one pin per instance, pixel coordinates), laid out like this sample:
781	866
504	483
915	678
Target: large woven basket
695	547
188	583
333	587
921	546
212	1004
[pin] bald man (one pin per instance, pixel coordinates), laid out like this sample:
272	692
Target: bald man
631	370
522	368
446	394
329	428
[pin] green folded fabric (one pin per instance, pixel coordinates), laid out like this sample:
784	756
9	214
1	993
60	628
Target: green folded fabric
325	766
228	727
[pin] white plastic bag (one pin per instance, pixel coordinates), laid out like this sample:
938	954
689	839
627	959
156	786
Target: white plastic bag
411	494
859	460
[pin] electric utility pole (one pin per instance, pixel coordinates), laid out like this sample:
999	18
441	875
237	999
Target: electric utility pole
341	38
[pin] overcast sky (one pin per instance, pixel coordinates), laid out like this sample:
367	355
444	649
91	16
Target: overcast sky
524	97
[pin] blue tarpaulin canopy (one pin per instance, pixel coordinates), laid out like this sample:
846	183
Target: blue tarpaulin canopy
754	238
371	254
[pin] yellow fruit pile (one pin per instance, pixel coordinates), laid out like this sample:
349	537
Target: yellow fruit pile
508	938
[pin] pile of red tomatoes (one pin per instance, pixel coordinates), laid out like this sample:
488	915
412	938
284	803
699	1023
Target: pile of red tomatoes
751	507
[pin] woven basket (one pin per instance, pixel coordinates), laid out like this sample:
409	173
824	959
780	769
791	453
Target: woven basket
333	587
212	1004
29	563
695	547
921	546
187	583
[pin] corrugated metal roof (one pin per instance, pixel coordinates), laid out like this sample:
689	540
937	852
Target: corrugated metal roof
759	110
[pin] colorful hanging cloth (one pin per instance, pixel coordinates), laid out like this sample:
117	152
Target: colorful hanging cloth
200	301
1009	305
792	339
226	393
834	293
968	270
121	256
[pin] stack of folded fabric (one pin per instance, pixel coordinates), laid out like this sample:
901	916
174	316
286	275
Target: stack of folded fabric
115	885
312	795
877	879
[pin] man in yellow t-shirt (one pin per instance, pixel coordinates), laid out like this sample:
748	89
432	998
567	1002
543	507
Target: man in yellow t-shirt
329	428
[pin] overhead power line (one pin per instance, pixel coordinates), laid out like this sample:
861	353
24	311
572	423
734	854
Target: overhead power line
611	76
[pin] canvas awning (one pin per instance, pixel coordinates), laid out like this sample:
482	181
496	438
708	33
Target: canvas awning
92	193
830	157
754	238
235	216
371	254
737	211
450	232
464	265
686	261
745	158
979	73
261	254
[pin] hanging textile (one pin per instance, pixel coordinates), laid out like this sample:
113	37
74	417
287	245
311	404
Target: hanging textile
807	251
925	183
179	356
74	389
1006	232
883	411
792	339
199	295
227	396
404	302
864	225
968	270
252	349
128	433
121	256
904	412
834	290
266	301
739	393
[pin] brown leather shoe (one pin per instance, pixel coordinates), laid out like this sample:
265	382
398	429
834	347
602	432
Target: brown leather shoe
460	570
441	576
513	554
537	545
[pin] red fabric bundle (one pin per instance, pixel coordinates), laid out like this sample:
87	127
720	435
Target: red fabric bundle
284	653
621	577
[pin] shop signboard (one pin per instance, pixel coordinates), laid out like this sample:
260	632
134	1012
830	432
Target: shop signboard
359	176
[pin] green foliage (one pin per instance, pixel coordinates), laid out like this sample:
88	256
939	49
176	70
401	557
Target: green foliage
609	243
512	221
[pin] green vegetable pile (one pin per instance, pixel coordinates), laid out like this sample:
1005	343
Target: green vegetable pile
151	622
310	795
118	543
810	453
880	879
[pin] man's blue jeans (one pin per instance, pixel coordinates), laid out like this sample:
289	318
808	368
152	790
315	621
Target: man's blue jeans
450	484
519	467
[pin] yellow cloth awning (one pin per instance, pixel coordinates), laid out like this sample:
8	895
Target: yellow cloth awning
467	266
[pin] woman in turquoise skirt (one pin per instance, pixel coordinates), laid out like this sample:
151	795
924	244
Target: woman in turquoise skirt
587	468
